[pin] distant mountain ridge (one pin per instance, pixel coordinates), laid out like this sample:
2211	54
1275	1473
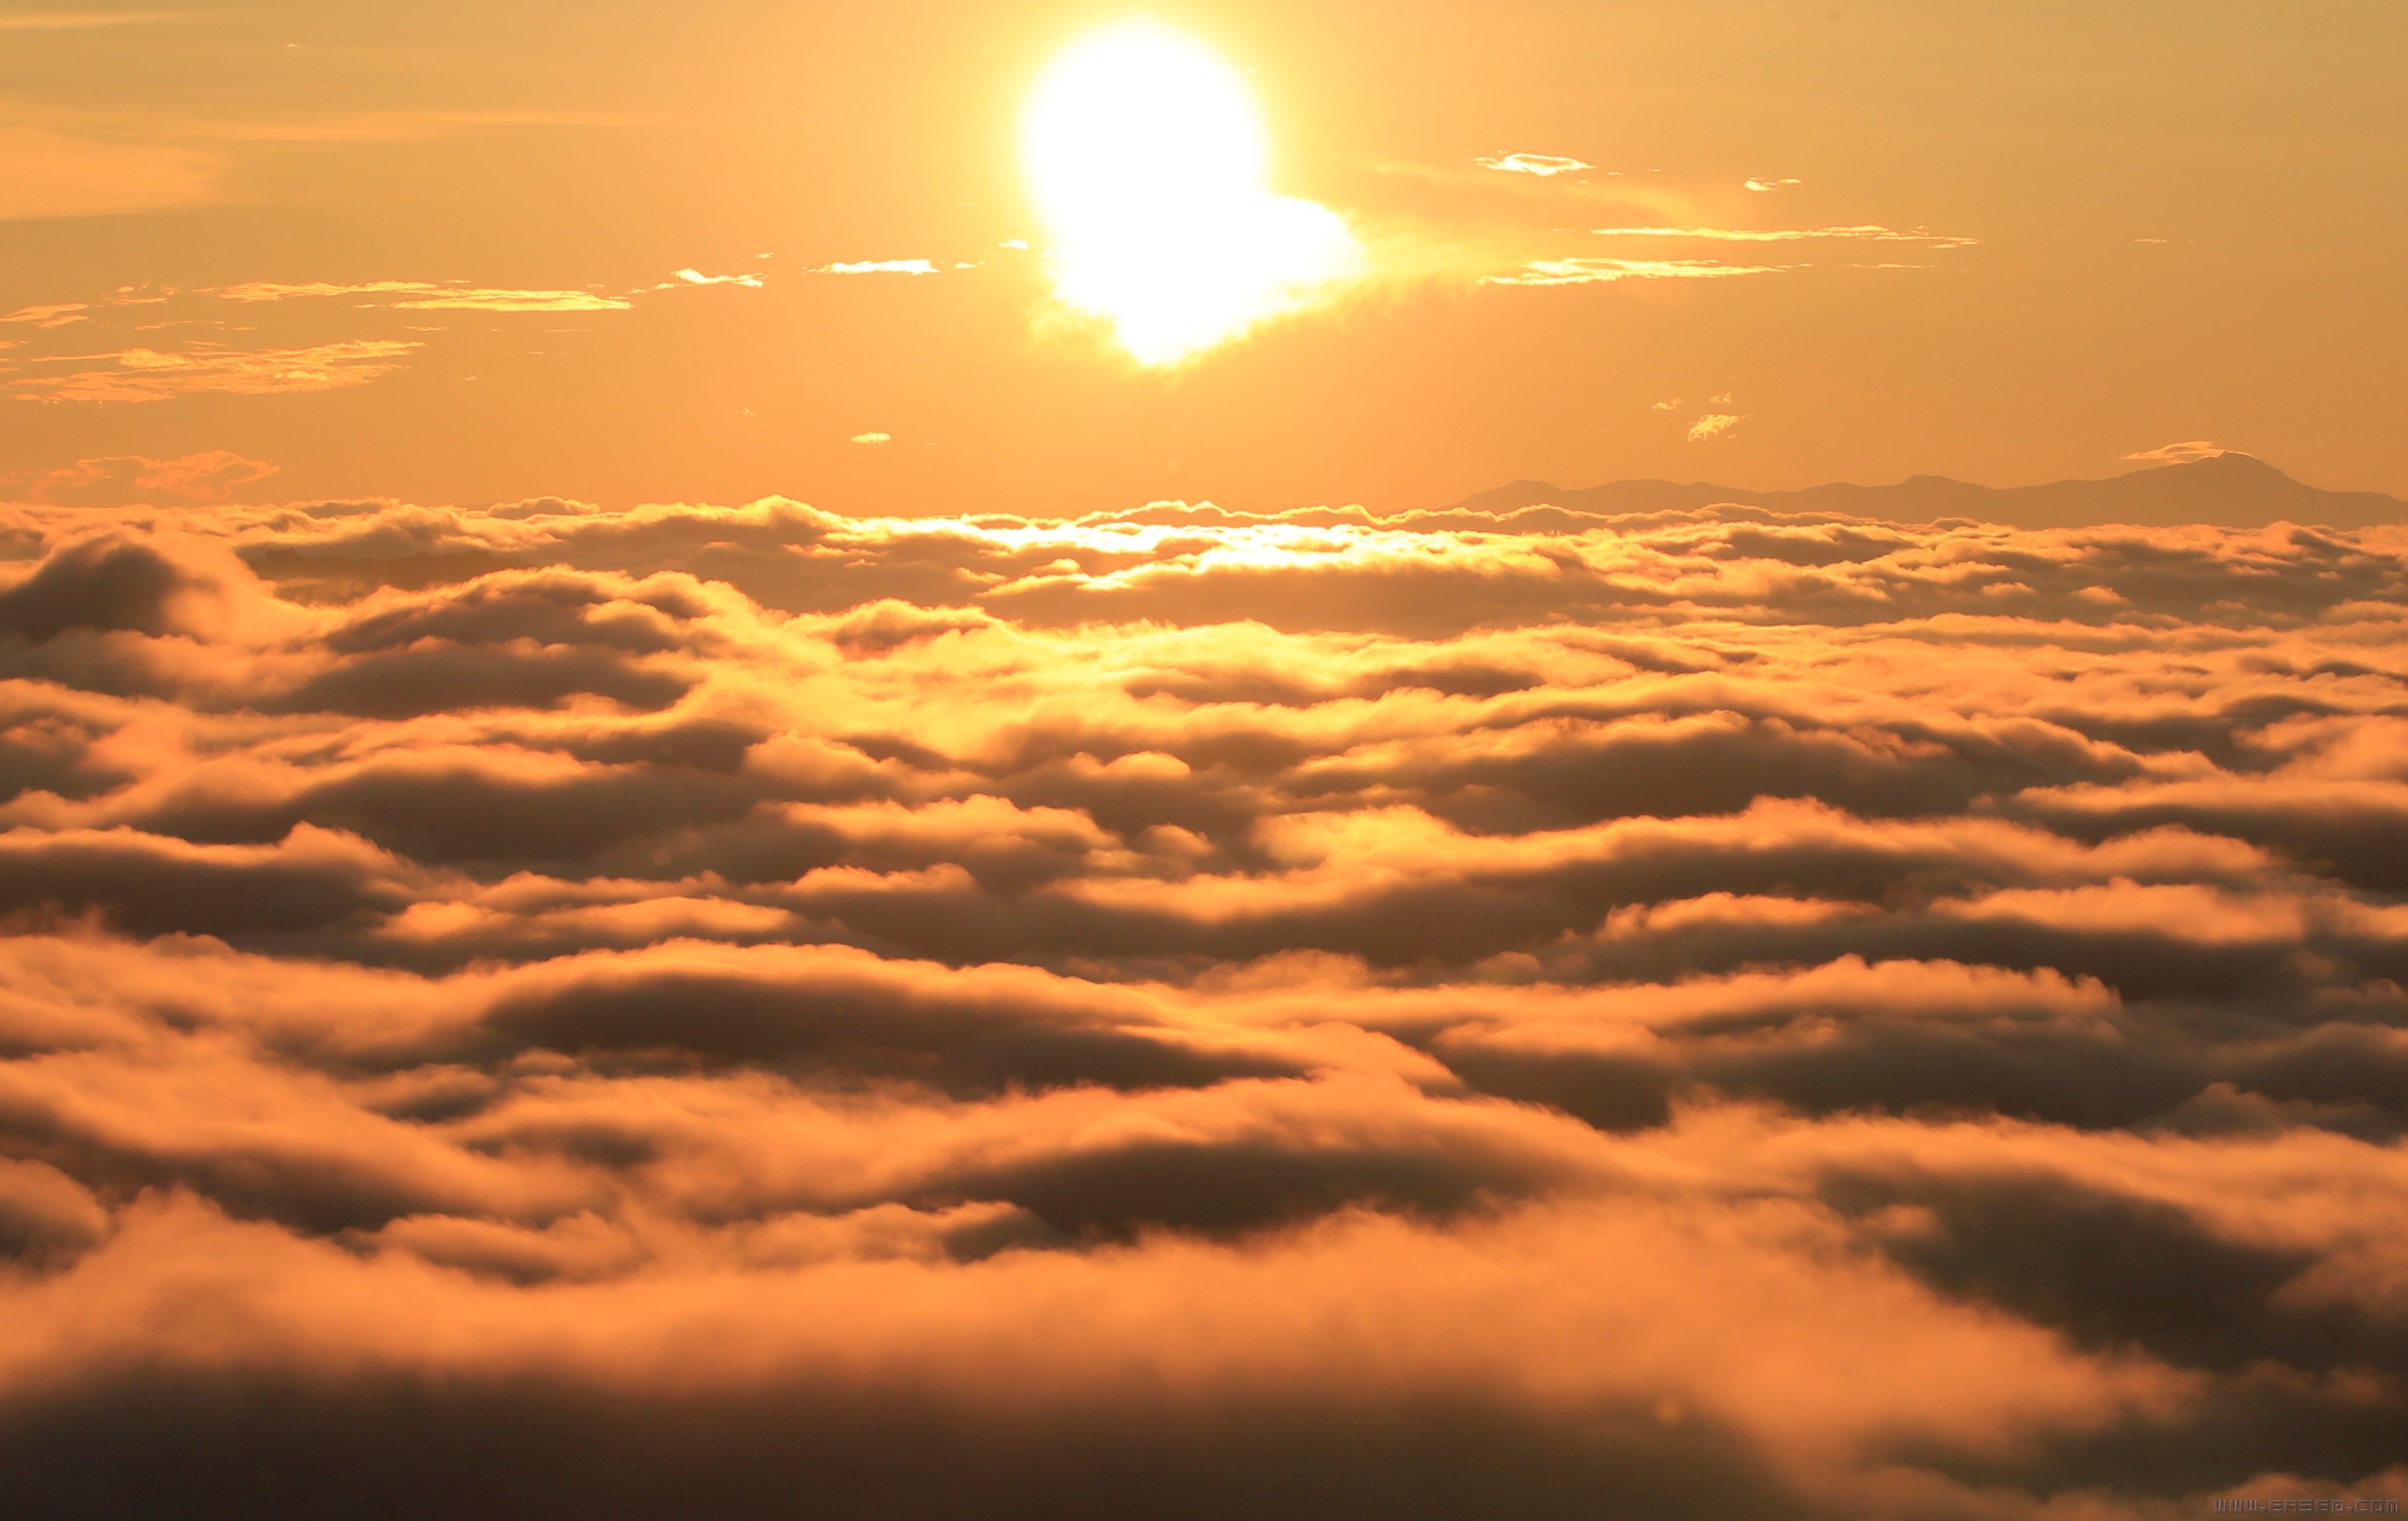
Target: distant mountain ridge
2229	490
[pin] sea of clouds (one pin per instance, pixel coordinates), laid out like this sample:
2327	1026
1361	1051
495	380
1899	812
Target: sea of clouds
731	1011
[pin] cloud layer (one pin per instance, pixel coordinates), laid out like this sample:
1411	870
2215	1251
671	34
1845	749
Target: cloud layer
538	1011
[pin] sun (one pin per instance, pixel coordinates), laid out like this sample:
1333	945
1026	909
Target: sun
1149	165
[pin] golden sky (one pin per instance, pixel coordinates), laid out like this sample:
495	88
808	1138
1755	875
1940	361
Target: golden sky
764	761
614	251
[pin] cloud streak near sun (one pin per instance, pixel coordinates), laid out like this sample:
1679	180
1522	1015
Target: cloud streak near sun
1592	270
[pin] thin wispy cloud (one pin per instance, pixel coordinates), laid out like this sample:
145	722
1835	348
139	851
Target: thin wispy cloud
424	296
62	315
121	479
696	278
505	300
1791	235
1712	425
151	375
153	369
1767	186
2190	452
877	266
1600	271
1544	165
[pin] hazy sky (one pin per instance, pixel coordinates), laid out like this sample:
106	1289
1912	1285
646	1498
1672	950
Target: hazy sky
2047	236
690	825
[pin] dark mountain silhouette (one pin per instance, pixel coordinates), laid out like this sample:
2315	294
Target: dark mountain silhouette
2233	490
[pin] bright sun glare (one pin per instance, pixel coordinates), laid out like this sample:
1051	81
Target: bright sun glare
1149	168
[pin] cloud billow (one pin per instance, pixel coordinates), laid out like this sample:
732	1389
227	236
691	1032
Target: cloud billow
536	1010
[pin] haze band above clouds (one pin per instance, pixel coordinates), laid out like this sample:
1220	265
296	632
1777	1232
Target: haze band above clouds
149	369
538	1011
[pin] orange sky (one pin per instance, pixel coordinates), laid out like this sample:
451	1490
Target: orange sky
2148	222
645	871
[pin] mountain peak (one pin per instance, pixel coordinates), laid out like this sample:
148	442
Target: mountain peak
2230	490
2230	461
